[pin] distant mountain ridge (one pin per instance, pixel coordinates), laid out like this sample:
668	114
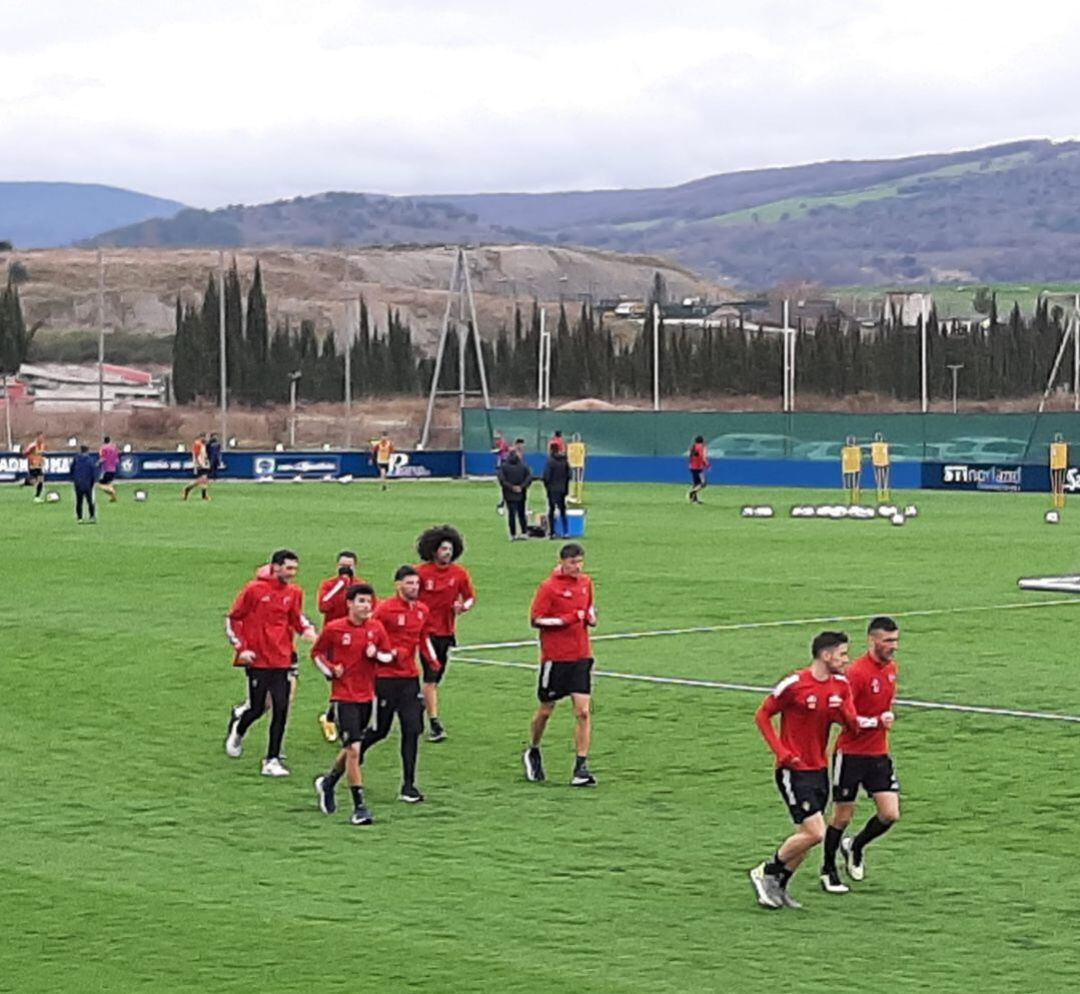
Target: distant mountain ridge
1003	213
47	215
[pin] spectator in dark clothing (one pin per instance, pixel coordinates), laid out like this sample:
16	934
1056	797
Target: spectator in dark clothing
213	454
84	473
515	478
557	484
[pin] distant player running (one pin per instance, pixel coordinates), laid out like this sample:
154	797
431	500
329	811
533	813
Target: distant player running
699	467
345	653
564	609
109	456
200	466
446	588
332	606
35	467
808	702
862	759
383	451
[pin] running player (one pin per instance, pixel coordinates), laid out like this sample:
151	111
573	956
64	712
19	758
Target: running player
383	450
564	610
808	702
109	455
862	758
332	605
446	588
200	466
408	623
345	653
260	627
35	467
699	466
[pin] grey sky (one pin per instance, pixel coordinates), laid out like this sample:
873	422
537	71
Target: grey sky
251	100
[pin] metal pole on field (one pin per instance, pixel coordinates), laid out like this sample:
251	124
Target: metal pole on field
293	380
656	356
540	360
221	348
785	352
101	344
955	367
7	414
922	352
1076	353
350	339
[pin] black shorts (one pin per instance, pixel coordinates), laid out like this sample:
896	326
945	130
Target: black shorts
875	774
35	474
442	645
351	719
107	478
805	792
201	472
698	476
382	467
399	693
559	680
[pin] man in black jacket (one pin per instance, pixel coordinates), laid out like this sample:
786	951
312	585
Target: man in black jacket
557	485
515	477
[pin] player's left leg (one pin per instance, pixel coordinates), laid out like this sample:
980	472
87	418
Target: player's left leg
411	719
280	689
887	814
533	758
582	740
432	678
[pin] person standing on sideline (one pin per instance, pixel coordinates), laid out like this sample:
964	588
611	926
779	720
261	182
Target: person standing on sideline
809	702
35	467
345	653
84	471
500	449
446	588
557	484
109	455
333	606
397	686
213	456
564	610
557	442
200	467
862	759
383	451
261	624
699	466
515	478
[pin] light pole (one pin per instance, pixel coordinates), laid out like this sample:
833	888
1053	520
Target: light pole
294	378
101	344
955	367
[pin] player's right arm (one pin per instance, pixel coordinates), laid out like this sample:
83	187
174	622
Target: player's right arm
234	624
545	612
770	707
322	655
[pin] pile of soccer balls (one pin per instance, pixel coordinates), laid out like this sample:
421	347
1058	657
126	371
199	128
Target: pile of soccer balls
895	515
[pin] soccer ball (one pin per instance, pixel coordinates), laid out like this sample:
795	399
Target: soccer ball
141	495
747	511
897	518
763	512
52	497
347	478
1052	517
911	511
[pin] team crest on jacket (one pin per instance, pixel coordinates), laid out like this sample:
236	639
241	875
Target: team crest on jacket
811	702
835	700
346	639
429	585
875	686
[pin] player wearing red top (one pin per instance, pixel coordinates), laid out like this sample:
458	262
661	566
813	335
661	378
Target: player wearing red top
408	624
35	466
345	653
332	605
564	610
200	467
699	465
809	702
261	625
446	588
862	759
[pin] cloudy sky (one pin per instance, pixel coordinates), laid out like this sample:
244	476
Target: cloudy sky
249	100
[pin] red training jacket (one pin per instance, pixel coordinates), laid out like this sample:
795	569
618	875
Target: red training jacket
408	625
441	587
331	602
263	620
564	611
355	648
873	690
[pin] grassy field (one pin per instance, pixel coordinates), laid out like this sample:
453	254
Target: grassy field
138	857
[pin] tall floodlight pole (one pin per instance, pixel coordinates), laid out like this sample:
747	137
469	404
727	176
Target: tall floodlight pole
656	356
1076	352
922	353
540	356
223	371
955	367
786	352
101	343
351	324
294	378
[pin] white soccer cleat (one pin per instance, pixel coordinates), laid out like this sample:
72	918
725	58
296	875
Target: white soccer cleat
856	869
767	888
273	768
234	745
832	884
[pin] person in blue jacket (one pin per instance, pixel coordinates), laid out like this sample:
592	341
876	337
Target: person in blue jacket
84	473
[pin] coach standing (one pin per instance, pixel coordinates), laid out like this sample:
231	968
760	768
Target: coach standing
515	478
260	626
84	476
557	485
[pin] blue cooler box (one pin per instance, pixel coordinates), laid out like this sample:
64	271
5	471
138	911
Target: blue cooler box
575	524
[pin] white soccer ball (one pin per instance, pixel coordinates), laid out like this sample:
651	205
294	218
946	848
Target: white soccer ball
298	478
763	512
264	479
1052	518
52	497
897	518
747	511
140	495
911	511
347	478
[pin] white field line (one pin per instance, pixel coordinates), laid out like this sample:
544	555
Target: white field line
748	625
751	688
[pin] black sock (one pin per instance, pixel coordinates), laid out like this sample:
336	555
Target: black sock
40	487
775	867
580	761
357	796
871	830
333	777
832	844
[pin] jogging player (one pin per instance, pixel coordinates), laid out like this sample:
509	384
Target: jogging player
808	702
345	653
333	606
407	621
564	610
35	467
447	589
200	466
383	450
260	626
699	466
862	758
109	455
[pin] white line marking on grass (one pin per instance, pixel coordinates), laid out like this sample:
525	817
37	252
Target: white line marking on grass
748	625
751	688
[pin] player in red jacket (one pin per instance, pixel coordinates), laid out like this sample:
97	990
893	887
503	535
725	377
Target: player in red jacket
407	621
446	588
332	606
564	610
809	702
261	626
699	465
862	758
346	652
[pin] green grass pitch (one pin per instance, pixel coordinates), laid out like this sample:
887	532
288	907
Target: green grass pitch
137	857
